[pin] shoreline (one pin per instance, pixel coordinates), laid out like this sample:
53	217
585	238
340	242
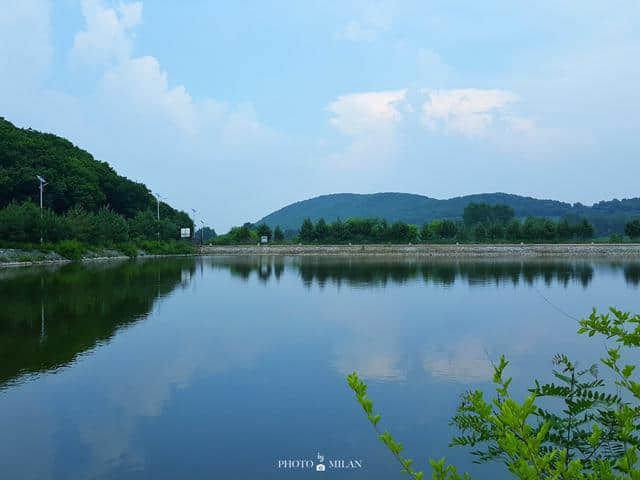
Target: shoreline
113	258
601	250
510	251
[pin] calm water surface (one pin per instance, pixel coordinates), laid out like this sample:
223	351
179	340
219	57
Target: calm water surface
221	367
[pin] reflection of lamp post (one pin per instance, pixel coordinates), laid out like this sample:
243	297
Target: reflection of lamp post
43	182
42	329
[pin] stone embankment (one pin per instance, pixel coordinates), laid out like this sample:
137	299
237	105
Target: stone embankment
453	251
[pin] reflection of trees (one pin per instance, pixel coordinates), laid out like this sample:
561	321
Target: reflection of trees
76	306
632	273
376	271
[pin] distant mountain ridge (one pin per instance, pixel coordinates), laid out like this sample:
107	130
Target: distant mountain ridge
607	216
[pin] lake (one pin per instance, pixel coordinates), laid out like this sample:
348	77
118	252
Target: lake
234	368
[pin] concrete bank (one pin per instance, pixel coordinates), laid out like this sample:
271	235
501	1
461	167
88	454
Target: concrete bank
599	250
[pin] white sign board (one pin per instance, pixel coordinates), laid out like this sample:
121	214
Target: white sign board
185	233
264	239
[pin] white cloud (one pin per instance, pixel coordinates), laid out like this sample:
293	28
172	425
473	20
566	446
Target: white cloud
372	120
471	112
142	84
107	36
364	113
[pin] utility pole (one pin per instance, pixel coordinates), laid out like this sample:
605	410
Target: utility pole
194	225
43	182
158	197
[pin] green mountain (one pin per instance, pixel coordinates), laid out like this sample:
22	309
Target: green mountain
74	177
607	216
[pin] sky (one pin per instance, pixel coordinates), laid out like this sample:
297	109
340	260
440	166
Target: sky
236	109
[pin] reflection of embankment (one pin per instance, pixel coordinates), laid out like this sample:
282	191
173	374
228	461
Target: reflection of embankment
375	271
50	316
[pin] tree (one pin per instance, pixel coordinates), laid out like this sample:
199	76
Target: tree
306	232
442	229
426	233
144	226
278	236
20	222
475	213
480	233
586	230
513	230
496	231
264	231
243	234
321	231
107	227
632	228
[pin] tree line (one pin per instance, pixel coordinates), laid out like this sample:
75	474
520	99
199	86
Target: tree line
481	223
25	223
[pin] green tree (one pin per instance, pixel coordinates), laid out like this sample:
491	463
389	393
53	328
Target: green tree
107	227
20	222
512	230
264	231
401	232
144	226
278	236
480	233
242	235
306	232
585	229
632	228
427	233
79	223
321	231
496	231
475	213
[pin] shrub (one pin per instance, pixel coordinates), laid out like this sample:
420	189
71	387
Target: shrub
71	249
129	249
79	223
167	248
585	433
20	222
107	227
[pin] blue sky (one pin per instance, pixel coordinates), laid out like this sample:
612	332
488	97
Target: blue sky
239	108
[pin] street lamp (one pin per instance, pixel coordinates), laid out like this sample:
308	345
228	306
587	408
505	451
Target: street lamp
43	182
158	197
202	233
194	223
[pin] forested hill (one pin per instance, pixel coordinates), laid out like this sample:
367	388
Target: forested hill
607	216
74	177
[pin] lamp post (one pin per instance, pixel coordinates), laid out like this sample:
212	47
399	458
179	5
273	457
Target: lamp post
202	233
158	197
43	182
194	224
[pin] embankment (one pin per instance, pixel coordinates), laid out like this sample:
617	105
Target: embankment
453	251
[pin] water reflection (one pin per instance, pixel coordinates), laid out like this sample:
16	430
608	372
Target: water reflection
215	367
379	272
50	315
